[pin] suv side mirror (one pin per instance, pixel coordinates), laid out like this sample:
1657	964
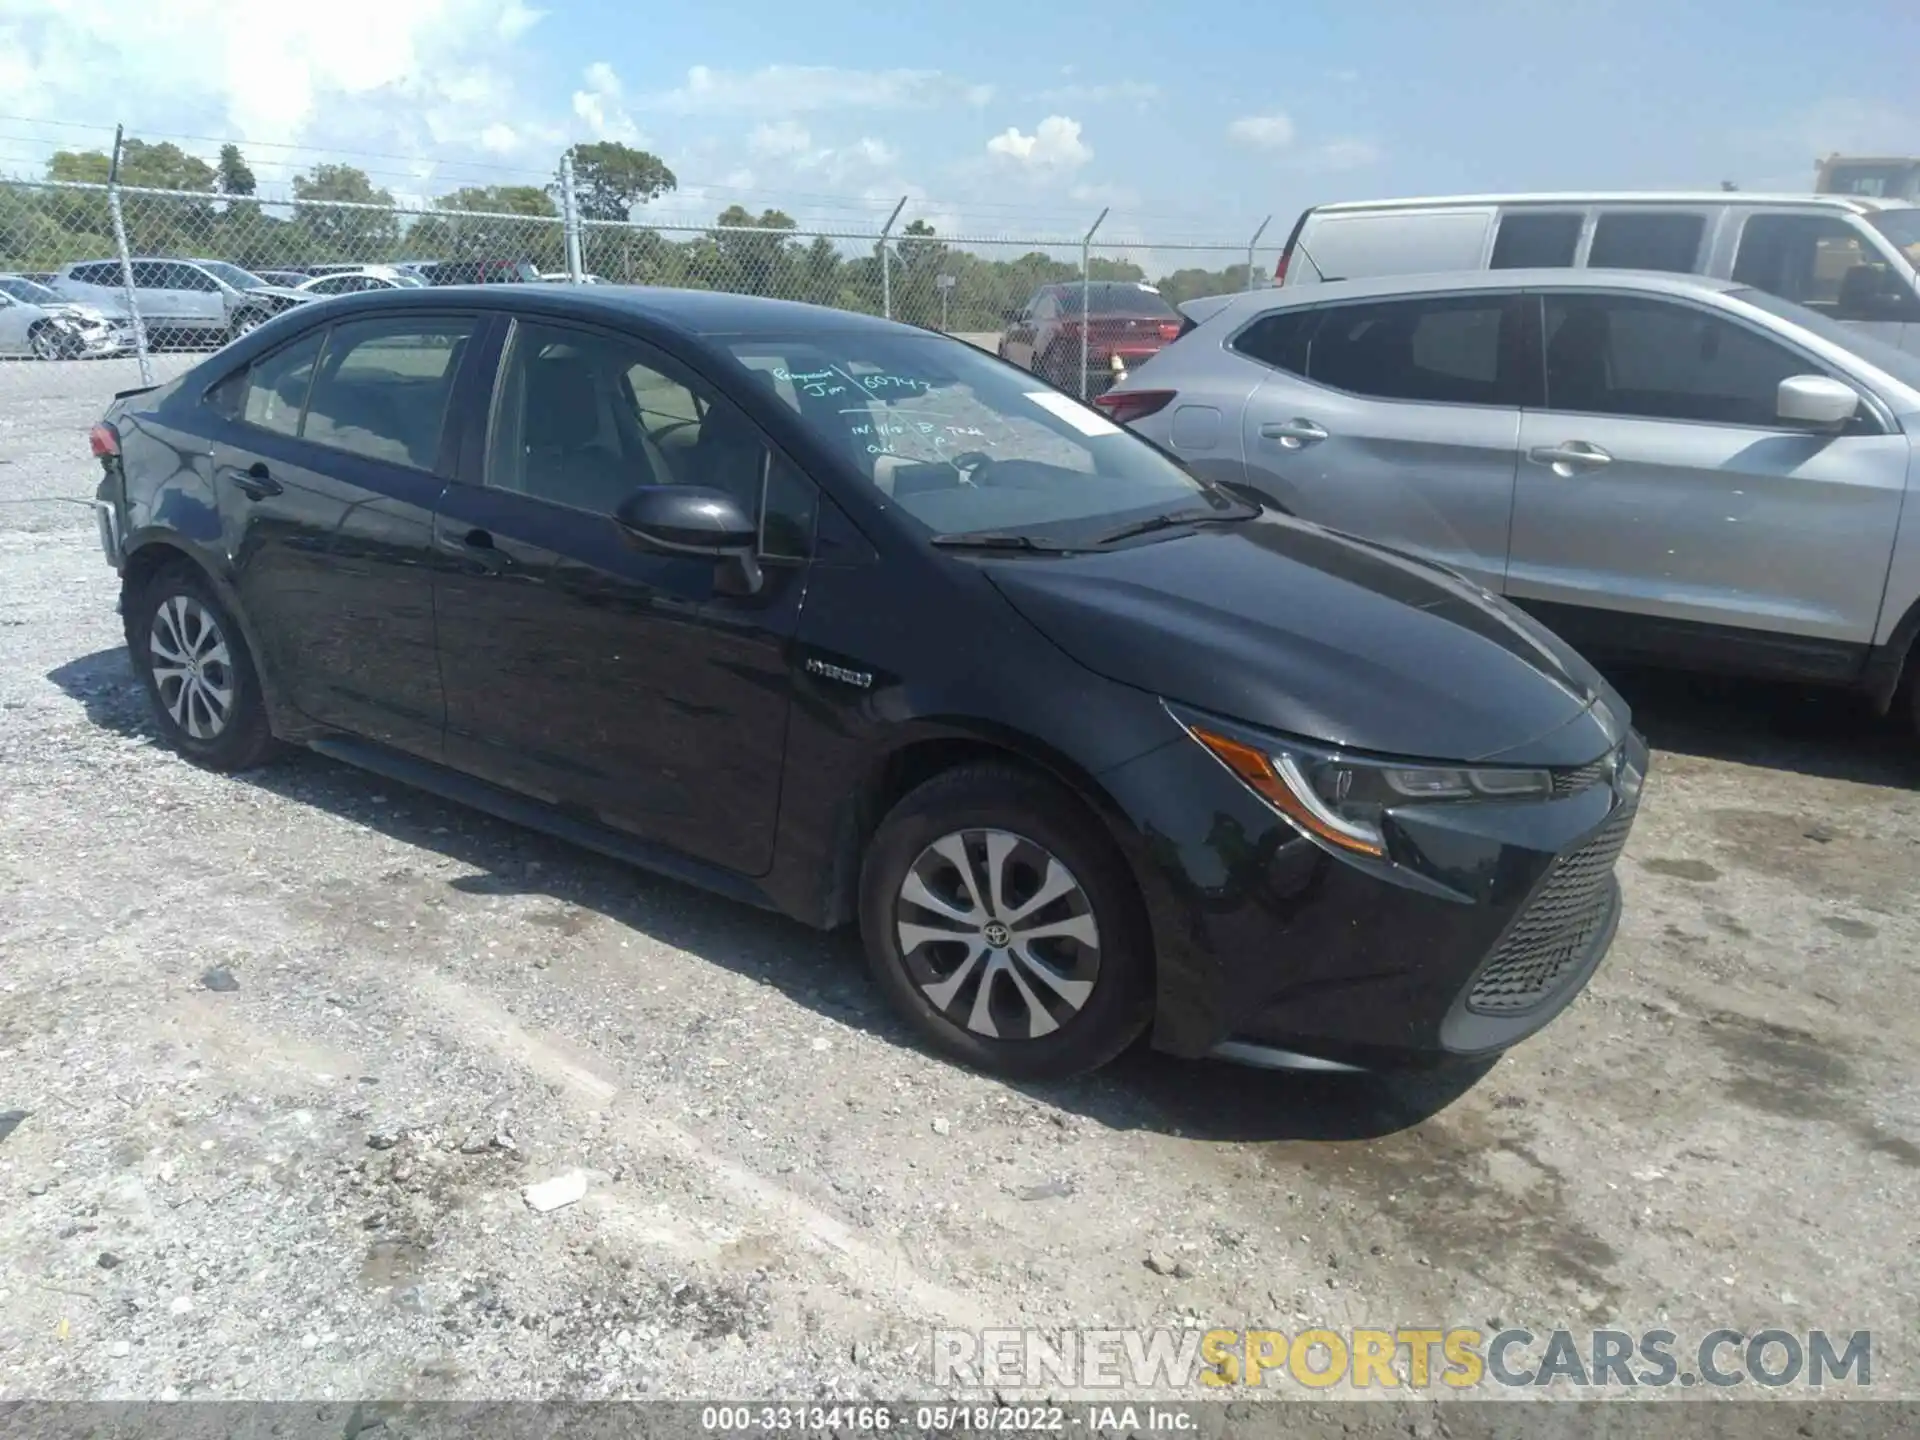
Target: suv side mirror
694	520
1816	400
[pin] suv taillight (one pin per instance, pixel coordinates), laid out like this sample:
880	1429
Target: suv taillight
104	441
1123	407
1280	270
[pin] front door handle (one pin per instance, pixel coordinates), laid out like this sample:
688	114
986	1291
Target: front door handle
1294	433
256	482
1570	456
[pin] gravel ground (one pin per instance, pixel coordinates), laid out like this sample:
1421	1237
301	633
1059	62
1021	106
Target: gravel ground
290	1045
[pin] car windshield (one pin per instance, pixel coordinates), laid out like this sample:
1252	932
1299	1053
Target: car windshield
965	443
232	274
1883	357
28	291
1903	228
1108	298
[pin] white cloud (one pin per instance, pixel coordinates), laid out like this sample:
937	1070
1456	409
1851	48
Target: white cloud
1268	132
797	89
1055	144
877	153
780	139
500	139
599	106
392	76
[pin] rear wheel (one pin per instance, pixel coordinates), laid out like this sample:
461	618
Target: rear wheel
199	675
46	342
1002	923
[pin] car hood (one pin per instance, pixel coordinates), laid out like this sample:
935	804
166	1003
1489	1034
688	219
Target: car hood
283	292
78	311
1285	625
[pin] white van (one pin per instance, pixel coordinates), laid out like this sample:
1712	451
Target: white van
1851	257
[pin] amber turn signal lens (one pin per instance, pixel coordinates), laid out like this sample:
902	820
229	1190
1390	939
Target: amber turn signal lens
1257	771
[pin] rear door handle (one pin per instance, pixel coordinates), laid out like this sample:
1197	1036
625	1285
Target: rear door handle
1570	456
1294	433
256	482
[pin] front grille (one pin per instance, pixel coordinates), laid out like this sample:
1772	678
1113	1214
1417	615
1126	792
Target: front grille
1584	777
1553	932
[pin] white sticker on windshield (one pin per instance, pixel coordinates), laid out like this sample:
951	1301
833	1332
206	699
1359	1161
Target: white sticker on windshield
1087	422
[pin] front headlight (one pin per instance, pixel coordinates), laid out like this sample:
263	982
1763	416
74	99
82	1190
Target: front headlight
1343	799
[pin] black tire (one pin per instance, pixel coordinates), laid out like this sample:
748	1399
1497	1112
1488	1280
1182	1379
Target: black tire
187	705
1056	370
46	342
984	802
245	323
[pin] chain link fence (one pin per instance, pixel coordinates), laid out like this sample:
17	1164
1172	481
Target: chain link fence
103	287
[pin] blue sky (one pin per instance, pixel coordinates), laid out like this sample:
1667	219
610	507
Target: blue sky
996	117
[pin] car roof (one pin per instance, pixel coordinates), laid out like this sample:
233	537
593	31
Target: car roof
1659	282
700	313
1858	204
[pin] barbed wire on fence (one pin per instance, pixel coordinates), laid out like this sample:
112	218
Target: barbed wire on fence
959	283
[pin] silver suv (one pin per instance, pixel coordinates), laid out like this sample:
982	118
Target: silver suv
186	300
1660	467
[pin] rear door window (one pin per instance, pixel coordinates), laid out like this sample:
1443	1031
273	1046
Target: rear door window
1446	350
383	387
276	387
1532	241
1636	240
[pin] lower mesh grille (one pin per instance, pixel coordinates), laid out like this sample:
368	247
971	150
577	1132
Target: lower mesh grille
1553	932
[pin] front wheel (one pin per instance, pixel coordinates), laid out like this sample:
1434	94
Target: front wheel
199	675
245	323
1003	924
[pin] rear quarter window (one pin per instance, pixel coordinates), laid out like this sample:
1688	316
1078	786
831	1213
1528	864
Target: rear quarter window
1663	240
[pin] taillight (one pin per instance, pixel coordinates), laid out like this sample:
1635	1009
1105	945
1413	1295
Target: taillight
1170	330
1123	407
104	441
1280	270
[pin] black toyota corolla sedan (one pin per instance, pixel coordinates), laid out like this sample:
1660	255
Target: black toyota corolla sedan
858	623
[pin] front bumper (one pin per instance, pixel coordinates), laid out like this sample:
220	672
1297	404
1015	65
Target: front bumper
1488	921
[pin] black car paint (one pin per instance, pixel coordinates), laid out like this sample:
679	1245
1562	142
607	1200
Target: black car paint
751	744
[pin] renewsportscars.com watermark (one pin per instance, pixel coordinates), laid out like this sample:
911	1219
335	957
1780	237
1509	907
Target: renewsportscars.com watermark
1213	1361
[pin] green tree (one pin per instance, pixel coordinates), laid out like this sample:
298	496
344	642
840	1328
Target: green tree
610	179
919	262
331	231
233	175
752	264
1191	284
473	227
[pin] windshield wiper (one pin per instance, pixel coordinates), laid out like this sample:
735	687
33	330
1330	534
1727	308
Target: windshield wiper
1167	521
996	540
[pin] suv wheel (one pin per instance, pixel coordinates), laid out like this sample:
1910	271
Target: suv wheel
198	673
47	342
1004	926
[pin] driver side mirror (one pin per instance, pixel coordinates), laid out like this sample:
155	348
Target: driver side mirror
695	520
1816	400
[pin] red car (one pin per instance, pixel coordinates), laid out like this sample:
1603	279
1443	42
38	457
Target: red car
1124	320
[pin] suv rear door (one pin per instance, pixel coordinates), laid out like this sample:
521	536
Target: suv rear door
1663	508
1396	419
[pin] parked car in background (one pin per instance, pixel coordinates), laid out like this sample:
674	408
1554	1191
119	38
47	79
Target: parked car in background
290	279
398	273
477	272
187	301
1660	467
39	277
36	321
1125	323
1853	258
853	621
353	282
561	277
